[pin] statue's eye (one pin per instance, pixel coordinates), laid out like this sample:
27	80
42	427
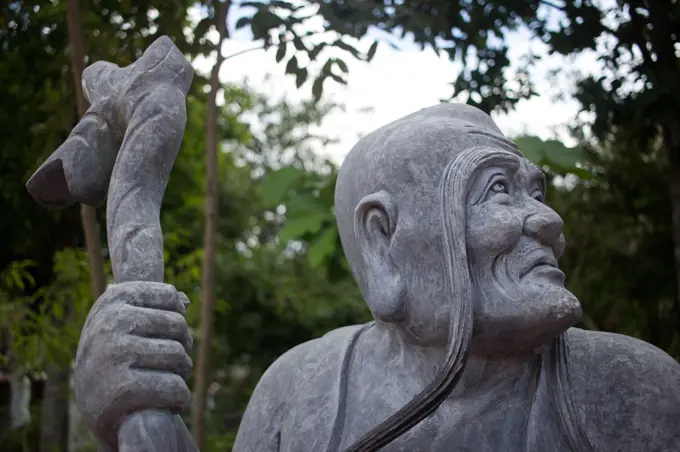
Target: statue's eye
538	196
499	189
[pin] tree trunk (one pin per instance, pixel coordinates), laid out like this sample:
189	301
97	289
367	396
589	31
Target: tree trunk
209	239
54	411
87	213
54	426
666	68
671	141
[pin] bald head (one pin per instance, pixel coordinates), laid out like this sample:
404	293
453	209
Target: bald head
401	205
405	160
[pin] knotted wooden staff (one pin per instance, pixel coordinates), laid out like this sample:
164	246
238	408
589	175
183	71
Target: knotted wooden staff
123	149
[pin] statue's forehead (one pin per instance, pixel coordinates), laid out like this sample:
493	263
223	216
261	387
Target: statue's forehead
495	139
529	166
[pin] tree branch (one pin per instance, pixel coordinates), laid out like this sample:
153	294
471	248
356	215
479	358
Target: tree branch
563	8
241	52
552	5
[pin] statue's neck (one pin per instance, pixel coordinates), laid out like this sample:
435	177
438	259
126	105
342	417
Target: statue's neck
482	372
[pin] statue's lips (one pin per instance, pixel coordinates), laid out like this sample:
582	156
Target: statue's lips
541	261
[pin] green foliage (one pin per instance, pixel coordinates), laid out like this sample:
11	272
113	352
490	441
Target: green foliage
45	326
308	202
619	258
554	156
470	32
280	23
278	183
282	277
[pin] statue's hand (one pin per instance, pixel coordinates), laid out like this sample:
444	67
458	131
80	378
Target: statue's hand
132	355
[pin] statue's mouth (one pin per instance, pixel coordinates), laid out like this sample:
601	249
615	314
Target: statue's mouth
544	260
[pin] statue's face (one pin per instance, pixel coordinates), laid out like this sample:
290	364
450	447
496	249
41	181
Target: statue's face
514	242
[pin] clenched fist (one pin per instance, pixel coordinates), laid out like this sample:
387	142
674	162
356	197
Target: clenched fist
132	355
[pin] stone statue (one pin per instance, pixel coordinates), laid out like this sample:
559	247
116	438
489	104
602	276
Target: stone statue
472	348
132	357
446	229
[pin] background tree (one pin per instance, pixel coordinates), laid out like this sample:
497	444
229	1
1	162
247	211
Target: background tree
280	274
55	426
221	10
635	40
286	19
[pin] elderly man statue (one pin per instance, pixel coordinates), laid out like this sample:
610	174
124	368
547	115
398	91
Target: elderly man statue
473	348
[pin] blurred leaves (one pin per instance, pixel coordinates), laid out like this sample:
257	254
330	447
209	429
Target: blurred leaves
554	155
282	275
45	326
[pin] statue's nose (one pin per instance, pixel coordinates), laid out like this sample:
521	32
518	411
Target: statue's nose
545	225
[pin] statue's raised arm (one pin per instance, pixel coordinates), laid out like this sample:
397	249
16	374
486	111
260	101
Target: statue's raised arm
132	362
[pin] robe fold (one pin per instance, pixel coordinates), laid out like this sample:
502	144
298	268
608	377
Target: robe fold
307	410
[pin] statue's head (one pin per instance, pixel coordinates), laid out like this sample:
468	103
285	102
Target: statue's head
440	216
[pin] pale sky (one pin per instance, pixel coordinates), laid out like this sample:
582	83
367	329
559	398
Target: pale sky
399	82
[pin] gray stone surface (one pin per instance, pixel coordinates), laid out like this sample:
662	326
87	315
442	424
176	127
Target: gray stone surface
472	348
455	252
132	362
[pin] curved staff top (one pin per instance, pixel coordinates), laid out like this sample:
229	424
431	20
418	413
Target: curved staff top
123	149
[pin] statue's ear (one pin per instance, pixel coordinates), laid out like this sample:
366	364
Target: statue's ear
375	220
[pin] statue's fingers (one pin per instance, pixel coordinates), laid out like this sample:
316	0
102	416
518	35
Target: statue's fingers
151	323
149	389
161	355
184	300
148	294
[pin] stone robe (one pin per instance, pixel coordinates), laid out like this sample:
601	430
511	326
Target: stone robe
624	396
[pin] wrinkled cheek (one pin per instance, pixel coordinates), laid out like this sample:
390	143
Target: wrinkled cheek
492	227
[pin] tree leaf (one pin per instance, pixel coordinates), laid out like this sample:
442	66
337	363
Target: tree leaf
338	79
299	45
242	22
342	65
314	53
202	28
305	205
274	188
347	47
371	51
292	66
558	153
555	154
322	247
532	148
296	228
281	52
301	77
263	21
317	87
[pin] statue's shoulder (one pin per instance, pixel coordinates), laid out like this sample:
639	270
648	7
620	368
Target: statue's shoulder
617	355
298	390
312	361
631	394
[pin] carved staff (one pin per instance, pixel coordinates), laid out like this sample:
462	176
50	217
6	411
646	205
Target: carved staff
124	148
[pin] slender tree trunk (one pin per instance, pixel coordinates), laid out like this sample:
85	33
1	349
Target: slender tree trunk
87	213
666	68
54	425
209	239
671	141
54	410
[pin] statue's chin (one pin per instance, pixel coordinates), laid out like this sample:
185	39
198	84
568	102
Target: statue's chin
527	327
